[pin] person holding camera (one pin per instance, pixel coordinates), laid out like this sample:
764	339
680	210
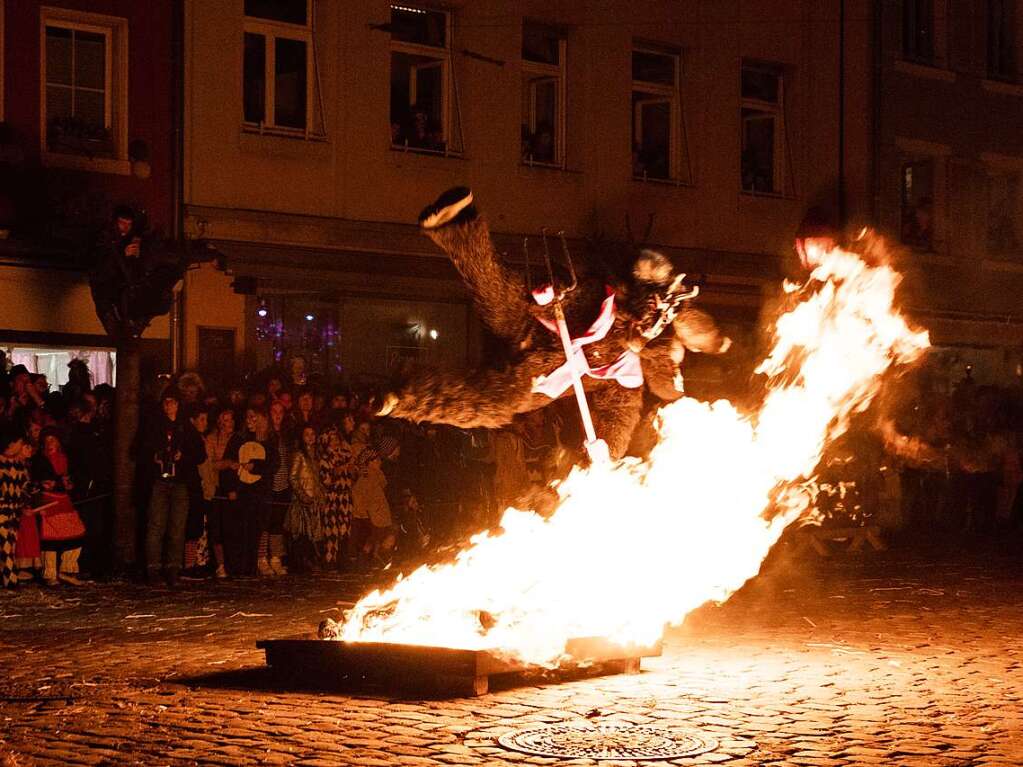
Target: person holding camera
174	451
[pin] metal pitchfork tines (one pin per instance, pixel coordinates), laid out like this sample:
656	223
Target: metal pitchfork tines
596	448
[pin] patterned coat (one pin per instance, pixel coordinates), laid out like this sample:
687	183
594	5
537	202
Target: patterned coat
14	496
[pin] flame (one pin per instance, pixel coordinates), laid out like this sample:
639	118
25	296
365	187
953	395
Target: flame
637	545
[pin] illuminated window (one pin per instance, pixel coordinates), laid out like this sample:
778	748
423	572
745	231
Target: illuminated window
543	95
917	201
1001	36
278	75
84	89
421	80
762	116
659	146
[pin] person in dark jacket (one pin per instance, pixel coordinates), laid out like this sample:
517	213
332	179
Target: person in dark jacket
173	451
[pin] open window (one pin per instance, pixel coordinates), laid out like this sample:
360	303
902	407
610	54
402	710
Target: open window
543	95
279	79
763	137
421	81
660	148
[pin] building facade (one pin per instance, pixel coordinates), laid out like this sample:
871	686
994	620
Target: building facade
315	131
88	93
950	174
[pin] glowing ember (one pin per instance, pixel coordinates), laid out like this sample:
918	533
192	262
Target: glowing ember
638	545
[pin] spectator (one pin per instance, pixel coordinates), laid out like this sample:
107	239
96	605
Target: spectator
336	476
14	499
196	539
222	446
172	452
257	459
304	520
79	381
62	530
373	537
272	540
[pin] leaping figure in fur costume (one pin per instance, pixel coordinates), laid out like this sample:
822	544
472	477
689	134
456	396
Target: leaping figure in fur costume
625	335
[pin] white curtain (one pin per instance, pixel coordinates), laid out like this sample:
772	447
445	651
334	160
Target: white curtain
53	363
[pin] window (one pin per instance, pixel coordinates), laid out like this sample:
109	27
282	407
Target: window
1001	33
918	30
1004	205
659	146
420	79
543	95
278	75
84	90
762	115
917	202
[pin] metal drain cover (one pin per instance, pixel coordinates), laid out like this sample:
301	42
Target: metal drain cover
608	741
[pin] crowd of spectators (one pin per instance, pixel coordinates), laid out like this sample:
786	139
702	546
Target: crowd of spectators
277	474
261	478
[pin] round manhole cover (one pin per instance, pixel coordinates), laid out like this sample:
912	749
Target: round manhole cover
608	741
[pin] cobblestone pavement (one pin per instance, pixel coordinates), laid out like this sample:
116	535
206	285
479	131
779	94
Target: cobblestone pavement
880	662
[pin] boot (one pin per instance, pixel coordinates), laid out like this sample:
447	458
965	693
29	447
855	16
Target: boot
69	566
277	566
50	568
264	567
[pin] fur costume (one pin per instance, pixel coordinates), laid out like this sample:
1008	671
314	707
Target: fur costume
491	397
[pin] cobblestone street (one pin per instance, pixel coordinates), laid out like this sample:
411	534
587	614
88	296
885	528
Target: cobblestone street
879	662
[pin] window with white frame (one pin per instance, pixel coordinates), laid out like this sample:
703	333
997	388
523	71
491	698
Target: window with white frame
659	146
278	76
1004	212
543	95
917	203
762	116
421	80
84	84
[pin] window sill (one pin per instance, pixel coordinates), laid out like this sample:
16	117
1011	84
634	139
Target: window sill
1002	86
1004	263
930	71
402	149
88	164
670	182
292	133
766	195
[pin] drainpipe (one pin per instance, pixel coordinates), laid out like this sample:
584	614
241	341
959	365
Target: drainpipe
876	45
178	327
841	116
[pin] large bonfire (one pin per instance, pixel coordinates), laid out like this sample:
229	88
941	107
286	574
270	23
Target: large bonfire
637	545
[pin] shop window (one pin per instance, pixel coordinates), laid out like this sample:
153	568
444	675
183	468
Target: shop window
763	139
659	142
918	31
421	79
278	67
1004	205
543	95
917	200
1001	40
84	88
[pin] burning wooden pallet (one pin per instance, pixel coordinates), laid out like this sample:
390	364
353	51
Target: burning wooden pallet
445	669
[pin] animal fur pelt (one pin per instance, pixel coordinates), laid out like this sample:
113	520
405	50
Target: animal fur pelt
491	397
